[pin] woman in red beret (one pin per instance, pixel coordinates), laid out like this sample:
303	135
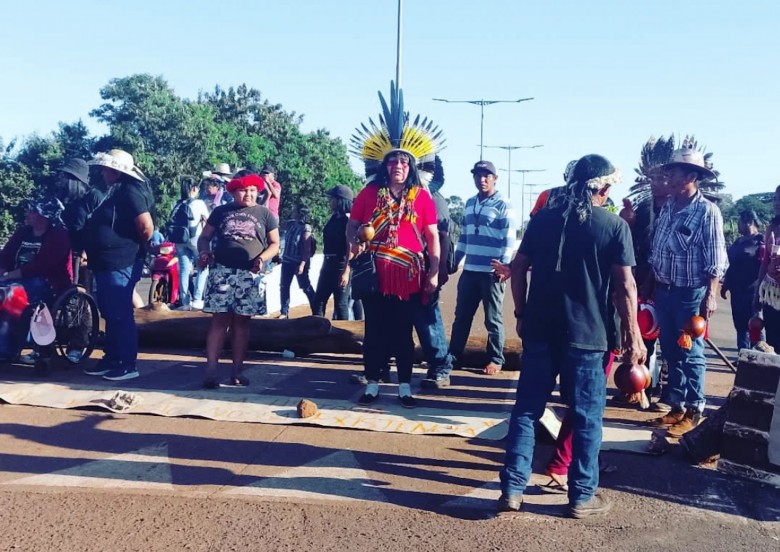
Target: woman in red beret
247	237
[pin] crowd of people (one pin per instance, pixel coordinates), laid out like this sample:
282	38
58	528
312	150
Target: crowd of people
387	253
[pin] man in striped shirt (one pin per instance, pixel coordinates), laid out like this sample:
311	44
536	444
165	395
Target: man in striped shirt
488	233
688	259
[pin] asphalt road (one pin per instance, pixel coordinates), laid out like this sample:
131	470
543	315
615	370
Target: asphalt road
77	480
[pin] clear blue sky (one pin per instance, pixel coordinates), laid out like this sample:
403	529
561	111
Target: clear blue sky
605	75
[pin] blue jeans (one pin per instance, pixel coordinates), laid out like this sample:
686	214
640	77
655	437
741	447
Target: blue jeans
675	306
473	288
290	271
187	258
433	338
115	299
584	388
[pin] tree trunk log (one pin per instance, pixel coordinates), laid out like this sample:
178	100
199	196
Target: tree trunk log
303	336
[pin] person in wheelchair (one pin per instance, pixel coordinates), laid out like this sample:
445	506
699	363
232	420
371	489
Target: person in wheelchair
38	257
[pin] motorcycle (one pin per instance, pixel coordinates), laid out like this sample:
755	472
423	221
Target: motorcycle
165	275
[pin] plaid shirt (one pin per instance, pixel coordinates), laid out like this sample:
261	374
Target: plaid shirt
688	247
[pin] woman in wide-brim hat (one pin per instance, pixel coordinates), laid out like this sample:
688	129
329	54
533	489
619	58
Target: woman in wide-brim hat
116	237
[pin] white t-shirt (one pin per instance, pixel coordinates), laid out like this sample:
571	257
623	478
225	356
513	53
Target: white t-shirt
200	214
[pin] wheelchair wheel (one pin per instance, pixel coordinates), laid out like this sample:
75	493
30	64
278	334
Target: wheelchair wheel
77	323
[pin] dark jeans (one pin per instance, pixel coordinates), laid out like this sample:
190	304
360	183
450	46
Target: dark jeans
388	333
675	306
327	285
433	338
772	326
583	386
115	300
290	271
741	311
475	288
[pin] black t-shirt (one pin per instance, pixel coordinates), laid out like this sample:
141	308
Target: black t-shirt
28	249
744	263
241	233
573	307
111	238
334	240
77	213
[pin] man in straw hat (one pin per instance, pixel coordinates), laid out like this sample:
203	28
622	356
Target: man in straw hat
688	259
116	240
564	323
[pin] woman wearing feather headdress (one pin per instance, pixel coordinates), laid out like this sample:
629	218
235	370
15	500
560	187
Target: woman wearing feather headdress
402	214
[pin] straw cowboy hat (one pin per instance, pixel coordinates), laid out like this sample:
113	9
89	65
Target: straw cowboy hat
222	169
120	161
692	159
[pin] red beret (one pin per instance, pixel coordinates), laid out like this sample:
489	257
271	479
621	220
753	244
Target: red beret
246	182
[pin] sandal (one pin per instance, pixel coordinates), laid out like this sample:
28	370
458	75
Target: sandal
239	381
211	383
554	485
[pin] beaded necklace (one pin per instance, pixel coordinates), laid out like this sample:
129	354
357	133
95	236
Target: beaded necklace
397	210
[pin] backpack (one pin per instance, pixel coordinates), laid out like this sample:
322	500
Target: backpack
293	241
452	266
179	227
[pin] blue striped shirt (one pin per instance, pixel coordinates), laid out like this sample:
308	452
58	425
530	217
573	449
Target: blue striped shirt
488	233
688	246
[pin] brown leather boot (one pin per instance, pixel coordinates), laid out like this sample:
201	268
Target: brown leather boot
673	417
692	419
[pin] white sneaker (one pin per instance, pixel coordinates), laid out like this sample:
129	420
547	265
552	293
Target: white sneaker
197	304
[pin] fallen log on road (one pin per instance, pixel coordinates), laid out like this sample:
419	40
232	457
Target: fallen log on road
304	336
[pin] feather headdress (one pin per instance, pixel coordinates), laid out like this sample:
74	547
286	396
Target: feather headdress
420	138
658	152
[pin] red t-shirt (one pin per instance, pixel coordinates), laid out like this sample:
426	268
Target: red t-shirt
365	203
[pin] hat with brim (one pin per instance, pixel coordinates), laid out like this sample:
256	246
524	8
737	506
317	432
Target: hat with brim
484	166
49	208
222	169
341	192
120	161
244	182
690	159
77	168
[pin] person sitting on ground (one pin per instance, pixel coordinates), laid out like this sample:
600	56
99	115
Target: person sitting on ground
38	258
247	238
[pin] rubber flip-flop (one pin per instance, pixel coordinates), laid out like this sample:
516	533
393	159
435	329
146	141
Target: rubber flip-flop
553	487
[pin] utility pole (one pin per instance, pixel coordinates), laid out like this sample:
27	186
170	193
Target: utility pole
509	150
481	104
522	190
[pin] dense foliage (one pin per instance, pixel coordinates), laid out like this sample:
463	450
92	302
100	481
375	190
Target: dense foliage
171	137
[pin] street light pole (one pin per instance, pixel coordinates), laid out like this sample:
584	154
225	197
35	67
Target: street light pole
522	191
481	104
398	44
509	151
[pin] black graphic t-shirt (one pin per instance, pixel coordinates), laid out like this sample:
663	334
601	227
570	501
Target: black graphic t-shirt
28	249
240	233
